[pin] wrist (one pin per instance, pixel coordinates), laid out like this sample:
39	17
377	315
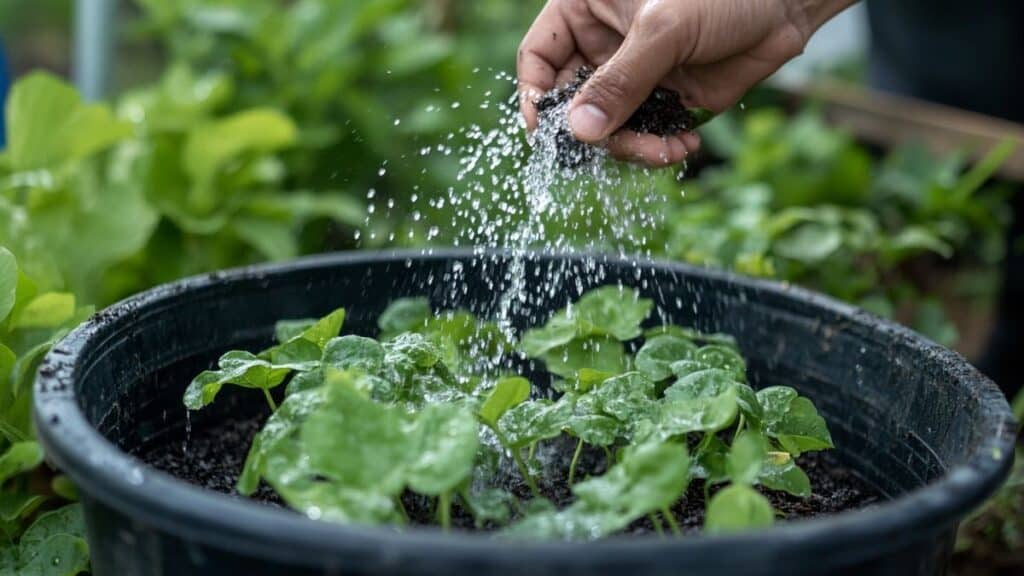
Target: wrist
809	15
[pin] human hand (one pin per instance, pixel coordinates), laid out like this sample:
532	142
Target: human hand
710	51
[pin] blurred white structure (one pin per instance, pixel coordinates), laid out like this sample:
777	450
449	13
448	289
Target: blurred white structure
95	25
844	37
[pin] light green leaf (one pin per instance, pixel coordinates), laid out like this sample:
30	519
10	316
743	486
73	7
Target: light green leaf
404	315
596	353
47	310
746	458
285	330
613	311
8	282
809	243
736	508
508	393
209	148
628	397
282	425
702	414
558	332
534	420
273	239
48	124
54	545
20	457
650	477
780	472
356	442
239	368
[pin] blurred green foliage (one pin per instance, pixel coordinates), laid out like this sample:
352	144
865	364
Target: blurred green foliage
272	121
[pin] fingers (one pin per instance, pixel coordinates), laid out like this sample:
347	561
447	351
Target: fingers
650	150
648	53
545	50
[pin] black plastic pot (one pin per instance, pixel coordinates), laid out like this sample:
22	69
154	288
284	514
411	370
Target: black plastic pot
912	418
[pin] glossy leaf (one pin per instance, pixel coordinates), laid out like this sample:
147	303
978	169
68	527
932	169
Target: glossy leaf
507	393
534	420
444	445
658	354
354	353
793	421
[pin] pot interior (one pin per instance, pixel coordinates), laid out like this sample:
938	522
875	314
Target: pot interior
899	413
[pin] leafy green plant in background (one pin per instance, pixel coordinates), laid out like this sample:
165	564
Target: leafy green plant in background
366	424
53	542
800	201
368	84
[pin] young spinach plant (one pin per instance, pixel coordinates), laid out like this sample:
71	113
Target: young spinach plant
424	413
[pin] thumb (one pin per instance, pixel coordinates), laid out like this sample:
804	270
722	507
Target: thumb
622	84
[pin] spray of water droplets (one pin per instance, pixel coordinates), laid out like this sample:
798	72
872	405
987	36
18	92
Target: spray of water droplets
518	195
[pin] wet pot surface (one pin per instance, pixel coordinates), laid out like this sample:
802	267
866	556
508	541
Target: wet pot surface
913	419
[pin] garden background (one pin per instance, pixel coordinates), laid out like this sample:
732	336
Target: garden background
236	132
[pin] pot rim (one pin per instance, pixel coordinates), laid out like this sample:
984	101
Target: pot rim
118	480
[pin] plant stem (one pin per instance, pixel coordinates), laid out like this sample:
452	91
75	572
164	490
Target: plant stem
608	455
525	472
444	510
518	458
533	450
270	400
739	428
671	519
653	516
401	508
575	459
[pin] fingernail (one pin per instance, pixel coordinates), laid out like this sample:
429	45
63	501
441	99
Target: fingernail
588	122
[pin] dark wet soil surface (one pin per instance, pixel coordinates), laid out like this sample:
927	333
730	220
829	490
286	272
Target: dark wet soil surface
214	455
662	114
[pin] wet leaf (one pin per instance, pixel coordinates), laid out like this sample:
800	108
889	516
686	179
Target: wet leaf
284	423
354	353
793	421
628	397
285	330
444	445
613	311
507	393
357	442
598	354
558	332
533	421
657	355
780	472
238	369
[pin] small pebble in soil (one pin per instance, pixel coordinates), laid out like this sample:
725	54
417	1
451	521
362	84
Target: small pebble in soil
662	114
